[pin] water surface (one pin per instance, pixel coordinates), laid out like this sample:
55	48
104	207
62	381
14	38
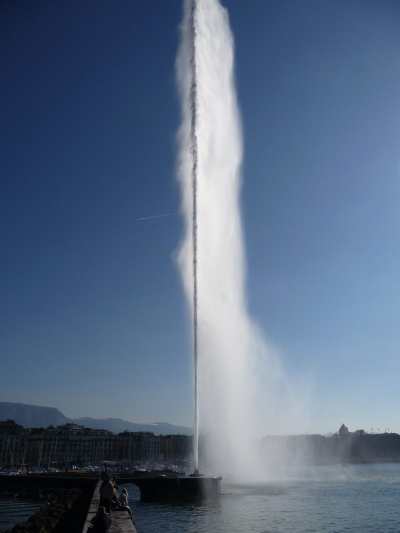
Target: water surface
362	498
14	510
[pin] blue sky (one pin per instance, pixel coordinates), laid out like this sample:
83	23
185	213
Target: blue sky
93	319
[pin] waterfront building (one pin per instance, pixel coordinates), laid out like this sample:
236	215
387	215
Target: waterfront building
70	444
137	447
12	443
175	448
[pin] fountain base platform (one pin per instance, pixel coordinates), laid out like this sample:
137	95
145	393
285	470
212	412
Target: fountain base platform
179	488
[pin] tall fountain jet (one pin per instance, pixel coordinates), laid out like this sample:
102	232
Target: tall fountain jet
193	140
211	256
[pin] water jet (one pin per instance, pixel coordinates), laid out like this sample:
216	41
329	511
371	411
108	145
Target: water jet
194	486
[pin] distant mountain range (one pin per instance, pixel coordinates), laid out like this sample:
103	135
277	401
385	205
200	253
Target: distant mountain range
32	415
117	425
36	416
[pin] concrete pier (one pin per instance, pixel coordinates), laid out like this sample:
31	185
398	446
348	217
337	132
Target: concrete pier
120	520
121	523
93	508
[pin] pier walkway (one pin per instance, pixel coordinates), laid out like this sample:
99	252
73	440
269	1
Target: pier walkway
120	520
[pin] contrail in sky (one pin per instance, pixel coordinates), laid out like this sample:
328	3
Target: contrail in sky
154	217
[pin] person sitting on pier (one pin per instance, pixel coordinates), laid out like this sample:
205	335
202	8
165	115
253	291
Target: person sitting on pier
123	502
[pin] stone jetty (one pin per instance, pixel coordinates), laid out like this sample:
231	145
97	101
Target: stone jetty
120	519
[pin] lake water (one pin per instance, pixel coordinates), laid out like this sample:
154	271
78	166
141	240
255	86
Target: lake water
13	511
357	498
362	498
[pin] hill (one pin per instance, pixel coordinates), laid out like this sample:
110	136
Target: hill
39	416
32	415
117	425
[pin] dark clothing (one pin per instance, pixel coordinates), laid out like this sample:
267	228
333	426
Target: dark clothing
101	523
107	494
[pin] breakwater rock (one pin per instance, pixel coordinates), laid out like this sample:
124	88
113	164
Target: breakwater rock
64	512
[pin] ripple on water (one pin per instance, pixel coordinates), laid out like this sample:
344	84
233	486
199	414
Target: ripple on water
360	498
13	511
